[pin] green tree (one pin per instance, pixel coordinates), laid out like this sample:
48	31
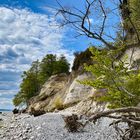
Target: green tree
135	13
47	66
29	86
122	84
37	75
61	65
19	99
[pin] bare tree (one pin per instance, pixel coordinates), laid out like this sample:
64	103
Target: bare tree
92	21
83	22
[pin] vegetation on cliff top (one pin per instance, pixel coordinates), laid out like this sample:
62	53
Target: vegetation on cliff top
81	58
37	75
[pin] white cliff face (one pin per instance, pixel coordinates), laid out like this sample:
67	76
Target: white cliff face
55	87
83	97
77	91
87	106
132	55
134	52
75	97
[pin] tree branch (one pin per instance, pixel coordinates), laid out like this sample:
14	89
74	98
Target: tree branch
84	19
108	112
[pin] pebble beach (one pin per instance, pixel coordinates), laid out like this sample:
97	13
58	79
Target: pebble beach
50	126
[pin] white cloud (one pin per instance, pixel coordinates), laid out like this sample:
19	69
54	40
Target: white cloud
7	92
24	37
6	103
27	36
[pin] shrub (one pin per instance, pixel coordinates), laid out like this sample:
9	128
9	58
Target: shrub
58	103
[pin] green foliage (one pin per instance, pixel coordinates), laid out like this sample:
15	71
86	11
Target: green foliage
131	22
30	85
47	67
123	85
36	76
58	103
135	12
18	99
61	66
51	65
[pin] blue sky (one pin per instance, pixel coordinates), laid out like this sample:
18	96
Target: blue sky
28	32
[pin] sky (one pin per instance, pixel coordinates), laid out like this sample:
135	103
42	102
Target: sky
29	31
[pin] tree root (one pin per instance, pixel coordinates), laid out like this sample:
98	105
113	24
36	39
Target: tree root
128	115
108	112
130	118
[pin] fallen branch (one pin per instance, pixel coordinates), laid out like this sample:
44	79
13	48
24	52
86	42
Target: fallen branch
108	112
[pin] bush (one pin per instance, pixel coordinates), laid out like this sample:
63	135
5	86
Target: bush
58	103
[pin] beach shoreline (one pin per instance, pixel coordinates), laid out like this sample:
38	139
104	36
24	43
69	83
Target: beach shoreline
50	126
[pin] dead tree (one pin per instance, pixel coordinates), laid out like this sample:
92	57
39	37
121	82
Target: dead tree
128	115
81	21
84	23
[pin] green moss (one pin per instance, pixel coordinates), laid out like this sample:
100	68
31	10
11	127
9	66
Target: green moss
58	103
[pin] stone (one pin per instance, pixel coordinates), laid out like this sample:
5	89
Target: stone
20	135
15	111
24	138
36	112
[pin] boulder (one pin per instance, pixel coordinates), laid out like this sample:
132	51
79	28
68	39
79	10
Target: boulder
23	110
15	111
36	113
